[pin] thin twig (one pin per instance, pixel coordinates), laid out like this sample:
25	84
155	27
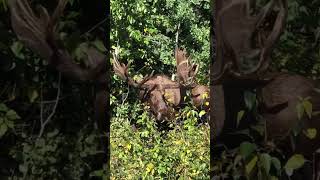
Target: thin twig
43	124
177	35
41	106
95	26
125	98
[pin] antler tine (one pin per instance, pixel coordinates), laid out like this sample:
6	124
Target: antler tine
275	34
29	28
119	69
122	71
230	68
58	11
186	70
145	79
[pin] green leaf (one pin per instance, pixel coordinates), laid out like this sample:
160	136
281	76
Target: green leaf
300	110
276	164
249	99
3	107
16	48
239	116
149	167
295	162
100	46
53	133
12	115
265	162
201	113
23	168
308	107
3	129
311	133
33	94
97	173
10	124
251	165
246	149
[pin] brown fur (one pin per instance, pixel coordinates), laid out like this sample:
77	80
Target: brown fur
281	96
159	91
186	73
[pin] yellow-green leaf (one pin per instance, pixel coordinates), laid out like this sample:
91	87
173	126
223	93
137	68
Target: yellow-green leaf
205	95
295	162
202	113
128	146
207	103
300	110
311	133
307	107
149	168
239	116
251	165
33	95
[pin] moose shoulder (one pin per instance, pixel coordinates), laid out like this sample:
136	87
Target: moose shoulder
284	109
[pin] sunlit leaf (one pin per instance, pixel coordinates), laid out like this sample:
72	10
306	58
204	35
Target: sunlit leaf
201	113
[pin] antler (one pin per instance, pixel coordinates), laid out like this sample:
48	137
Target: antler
39	34
185	70
122	71
243	52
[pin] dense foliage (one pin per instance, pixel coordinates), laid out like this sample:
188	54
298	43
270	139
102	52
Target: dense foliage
46	125
145	32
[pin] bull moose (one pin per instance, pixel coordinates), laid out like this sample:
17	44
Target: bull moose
244	46
163	94
39	32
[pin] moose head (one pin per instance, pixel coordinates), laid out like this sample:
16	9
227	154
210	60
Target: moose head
40	34
186	72
159	91
245	40
164	95
244	46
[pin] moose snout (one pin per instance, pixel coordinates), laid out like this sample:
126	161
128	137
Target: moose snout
161	112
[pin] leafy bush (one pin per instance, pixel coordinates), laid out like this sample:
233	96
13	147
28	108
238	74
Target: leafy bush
142	150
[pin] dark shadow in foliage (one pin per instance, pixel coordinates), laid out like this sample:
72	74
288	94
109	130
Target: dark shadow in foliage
41	35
